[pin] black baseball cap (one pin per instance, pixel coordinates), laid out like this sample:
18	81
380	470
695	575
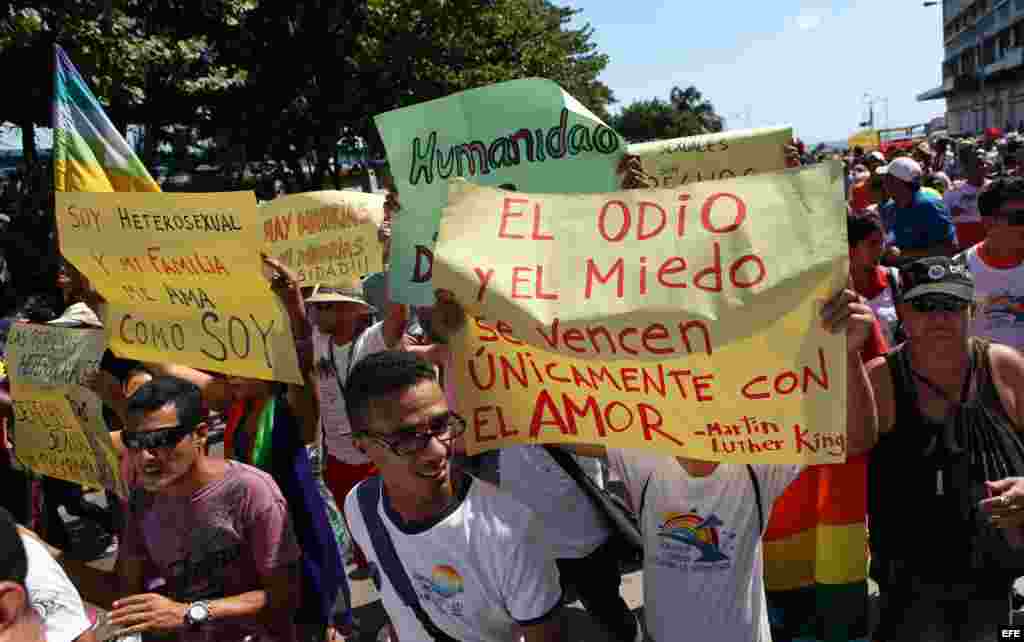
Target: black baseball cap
936	275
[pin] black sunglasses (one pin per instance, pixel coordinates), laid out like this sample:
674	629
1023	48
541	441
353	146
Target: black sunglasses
409	440
162	438
925	305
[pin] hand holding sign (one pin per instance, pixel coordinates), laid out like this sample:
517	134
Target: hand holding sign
846	311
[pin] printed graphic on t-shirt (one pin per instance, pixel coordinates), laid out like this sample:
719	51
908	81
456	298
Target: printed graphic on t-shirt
201	573
441	589
1002	310
690	542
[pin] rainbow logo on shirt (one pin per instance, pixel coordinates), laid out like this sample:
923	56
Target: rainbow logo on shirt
692	529
446	581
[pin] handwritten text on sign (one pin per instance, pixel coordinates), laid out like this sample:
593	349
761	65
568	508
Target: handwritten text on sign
678	321
59	428
183	279
528	133
327	237
710	157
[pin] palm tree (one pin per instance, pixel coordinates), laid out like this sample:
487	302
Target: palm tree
697	108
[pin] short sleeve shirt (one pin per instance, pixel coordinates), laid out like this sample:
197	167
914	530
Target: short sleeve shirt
218	542
703	566
924	224
480	570
53	596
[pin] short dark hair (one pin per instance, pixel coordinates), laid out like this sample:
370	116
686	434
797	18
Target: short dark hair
998	192
13	558
860	225
160	391
380	375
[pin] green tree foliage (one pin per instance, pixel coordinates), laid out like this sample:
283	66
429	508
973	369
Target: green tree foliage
686	113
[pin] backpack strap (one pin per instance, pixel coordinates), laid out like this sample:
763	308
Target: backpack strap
757	496
369	493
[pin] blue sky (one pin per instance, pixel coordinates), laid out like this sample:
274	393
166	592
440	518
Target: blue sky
807	64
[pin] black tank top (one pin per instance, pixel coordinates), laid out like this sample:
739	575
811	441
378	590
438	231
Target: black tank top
915	521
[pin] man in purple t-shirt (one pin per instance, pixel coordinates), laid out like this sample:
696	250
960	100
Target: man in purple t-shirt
217	531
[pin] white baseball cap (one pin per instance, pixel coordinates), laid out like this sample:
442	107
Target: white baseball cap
877	155
906	169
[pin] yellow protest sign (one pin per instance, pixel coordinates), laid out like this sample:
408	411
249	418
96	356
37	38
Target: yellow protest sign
183	279
681	321
327	237
681	161
58	424
867	139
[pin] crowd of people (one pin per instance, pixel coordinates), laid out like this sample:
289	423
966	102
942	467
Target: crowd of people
363	466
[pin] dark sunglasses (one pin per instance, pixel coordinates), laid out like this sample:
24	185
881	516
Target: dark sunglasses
1015	217
925	305
162	438
409	440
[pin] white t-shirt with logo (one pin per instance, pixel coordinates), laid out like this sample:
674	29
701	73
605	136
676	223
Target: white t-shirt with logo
53	596
703	565
333	417
999	295
480	570
573	524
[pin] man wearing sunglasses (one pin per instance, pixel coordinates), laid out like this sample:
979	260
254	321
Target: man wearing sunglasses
216	530
997	264
919	512
472	555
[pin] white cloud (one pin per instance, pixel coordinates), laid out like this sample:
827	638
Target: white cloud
808	21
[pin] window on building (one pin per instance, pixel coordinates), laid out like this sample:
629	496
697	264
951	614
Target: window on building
1018	34
1004	41
984	6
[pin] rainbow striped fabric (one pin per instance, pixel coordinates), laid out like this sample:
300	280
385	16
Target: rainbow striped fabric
815	554
89	155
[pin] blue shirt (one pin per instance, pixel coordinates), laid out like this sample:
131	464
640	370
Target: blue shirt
924	224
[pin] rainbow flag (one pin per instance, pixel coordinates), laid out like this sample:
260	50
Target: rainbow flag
815	555
89	155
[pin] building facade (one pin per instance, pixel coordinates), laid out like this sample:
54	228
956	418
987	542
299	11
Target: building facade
983	66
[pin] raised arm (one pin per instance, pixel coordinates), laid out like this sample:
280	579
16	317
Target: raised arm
846	312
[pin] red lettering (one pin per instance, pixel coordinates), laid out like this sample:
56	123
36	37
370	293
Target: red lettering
553	339
551	375
516	280
573	334
761	271
593	273
700	386
484	280
665	269
681	222
786	376
629	375
545	405
608	416
506	214
651	422
626	220
715	270
480	421
541	294
809	374
705	213
504	432
493	336
755	395
506	333
537	235
641	236
622	339
655	332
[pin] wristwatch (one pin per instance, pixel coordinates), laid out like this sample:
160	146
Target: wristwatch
197	614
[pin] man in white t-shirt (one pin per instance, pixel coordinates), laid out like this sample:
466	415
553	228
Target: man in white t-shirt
703	521
997	264
476	558
343	335
962	202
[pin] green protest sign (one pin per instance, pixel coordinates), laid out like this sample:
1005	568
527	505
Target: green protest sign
526	134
